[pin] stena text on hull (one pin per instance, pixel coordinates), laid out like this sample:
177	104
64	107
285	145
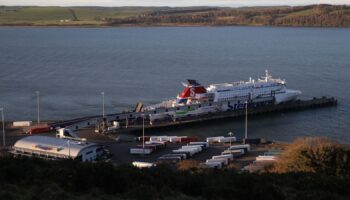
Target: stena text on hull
195	99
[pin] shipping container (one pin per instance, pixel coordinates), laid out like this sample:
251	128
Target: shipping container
142	164
266	158
140	151
188	139
206	144
43	129
214	139
22	123
246	147
227	156
235	153
188	152
162	144
227	139
224	161
159	138
197	149
175	139
200	145
216	165
152	146
183	156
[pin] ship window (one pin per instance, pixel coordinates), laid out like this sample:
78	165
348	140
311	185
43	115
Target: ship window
117	117
130	115
166	110
210	104
199	105
177	108
99	149
89	152
188	107
155	112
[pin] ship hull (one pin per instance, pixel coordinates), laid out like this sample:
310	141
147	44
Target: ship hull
288	95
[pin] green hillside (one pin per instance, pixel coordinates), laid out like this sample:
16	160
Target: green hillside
13	15
64	15
313	15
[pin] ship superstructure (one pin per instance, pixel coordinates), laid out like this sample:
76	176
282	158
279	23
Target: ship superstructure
251	89
195	99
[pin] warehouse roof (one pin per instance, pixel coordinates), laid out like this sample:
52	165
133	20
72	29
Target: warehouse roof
58	146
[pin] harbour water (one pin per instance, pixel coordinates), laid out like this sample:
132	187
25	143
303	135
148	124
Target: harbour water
70	67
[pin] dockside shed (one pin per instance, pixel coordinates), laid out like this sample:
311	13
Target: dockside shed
56	148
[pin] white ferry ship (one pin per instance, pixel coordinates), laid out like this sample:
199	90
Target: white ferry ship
195	99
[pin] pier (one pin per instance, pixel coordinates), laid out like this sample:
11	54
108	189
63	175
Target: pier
133	121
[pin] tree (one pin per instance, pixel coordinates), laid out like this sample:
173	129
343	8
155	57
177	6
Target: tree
315	155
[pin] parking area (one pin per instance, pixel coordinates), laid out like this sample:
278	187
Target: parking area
118	145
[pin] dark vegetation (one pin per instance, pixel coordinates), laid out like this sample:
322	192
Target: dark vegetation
313	15
315	155
38	179
323	173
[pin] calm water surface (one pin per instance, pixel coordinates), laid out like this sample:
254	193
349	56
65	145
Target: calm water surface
71	66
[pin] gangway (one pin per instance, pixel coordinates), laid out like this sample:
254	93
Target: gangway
138	107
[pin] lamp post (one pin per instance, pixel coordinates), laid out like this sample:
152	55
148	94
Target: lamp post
38	105
230	134
3	127
143	134
68	148
126	122
103	104
246	119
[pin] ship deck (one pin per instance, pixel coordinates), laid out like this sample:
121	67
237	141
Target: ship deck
285	107
135	123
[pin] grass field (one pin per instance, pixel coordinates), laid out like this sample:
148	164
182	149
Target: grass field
313	15
65	15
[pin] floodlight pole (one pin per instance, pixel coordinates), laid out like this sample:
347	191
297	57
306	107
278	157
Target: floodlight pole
246	120
3	127
38	105
103	104
68	148
230	134
143	134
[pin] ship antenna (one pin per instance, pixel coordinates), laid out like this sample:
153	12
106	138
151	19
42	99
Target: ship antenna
266	75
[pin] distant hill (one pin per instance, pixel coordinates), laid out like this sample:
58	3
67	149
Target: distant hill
311	16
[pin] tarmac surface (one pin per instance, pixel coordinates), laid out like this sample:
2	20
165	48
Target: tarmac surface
120	144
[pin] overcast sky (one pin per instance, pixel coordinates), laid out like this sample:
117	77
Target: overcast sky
232	3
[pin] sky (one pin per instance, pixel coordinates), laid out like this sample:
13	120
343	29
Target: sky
173	3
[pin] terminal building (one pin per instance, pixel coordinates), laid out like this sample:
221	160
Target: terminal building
57	148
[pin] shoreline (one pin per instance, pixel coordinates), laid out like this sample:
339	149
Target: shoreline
167	26
313	15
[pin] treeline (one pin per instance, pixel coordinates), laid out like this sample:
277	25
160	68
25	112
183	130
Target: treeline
310	168
315	15
314	155
39	179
